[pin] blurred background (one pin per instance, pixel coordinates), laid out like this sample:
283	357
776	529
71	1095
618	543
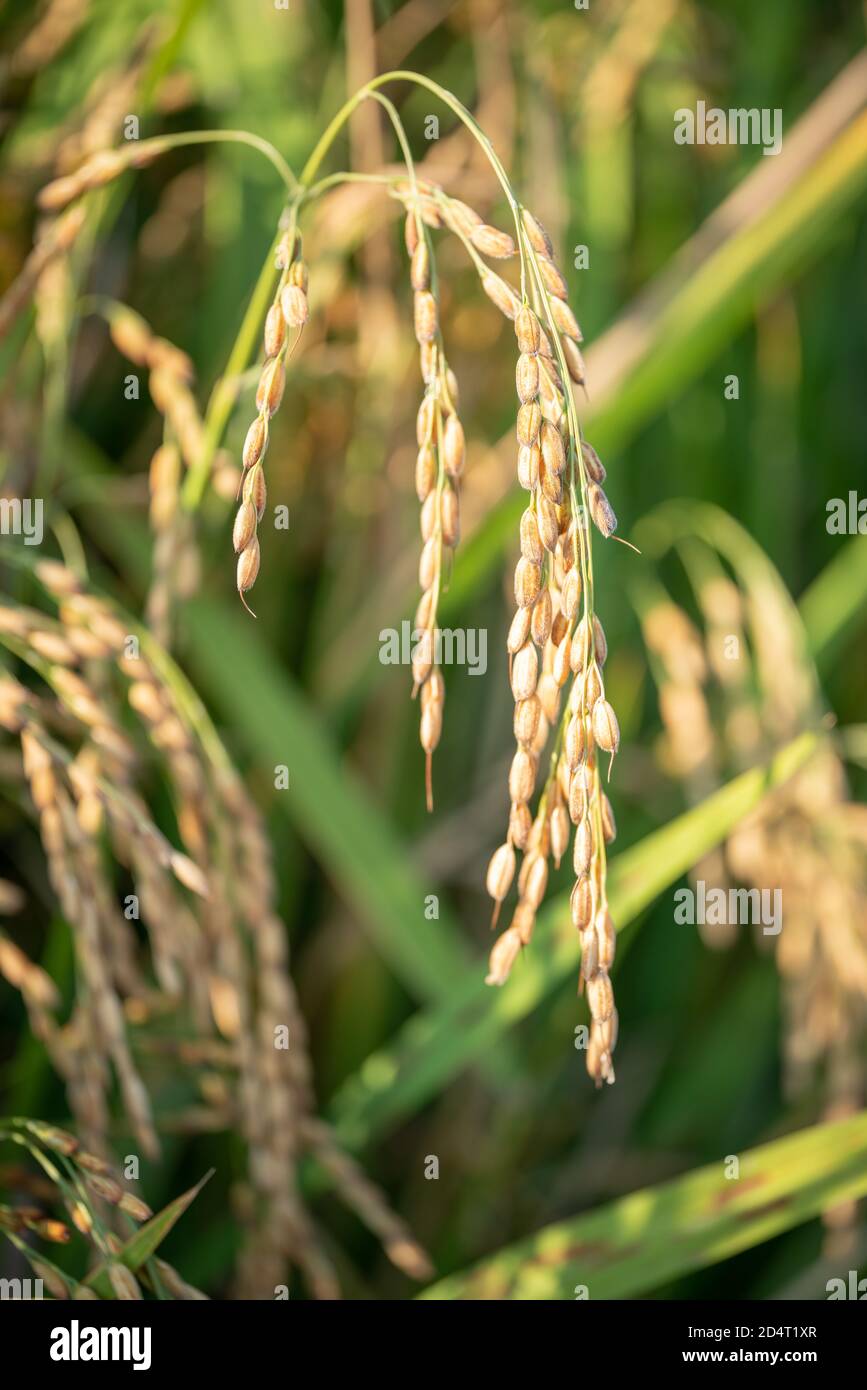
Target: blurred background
722	294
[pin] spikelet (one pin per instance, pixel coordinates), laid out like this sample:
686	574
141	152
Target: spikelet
492	242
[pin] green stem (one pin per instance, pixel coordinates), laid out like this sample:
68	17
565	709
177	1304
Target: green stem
403	75
161	144
347	176
301	190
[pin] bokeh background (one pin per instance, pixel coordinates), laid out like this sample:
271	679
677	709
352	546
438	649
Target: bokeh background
705	263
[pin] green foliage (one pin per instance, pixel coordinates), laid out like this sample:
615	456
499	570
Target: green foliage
629	1248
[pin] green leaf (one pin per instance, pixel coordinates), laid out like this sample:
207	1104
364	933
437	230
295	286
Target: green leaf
147	1239
627	1248
835	600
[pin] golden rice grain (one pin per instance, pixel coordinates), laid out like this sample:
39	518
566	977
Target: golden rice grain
454	447
425	316
538	237
527	377
529	423
606	730
529	461
527	330
528	578
601	510
505	952
525	669
269	392
501	872
501	294
552	278
293	302
492	242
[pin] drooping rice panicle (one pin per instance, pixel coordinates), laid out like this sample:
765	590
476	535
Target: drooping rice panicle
439	468
284	324
556	637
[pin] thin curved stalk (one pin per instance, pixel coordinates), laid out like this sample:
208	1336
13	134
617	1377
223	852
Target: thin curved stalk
161	144
348	176
337	122
303	190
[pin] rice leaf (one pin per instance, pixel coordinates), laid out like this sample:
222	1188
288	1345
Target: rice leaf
630	1247
147	1239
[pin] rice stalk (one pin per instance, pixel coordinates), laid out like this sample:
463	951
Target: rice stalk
218	954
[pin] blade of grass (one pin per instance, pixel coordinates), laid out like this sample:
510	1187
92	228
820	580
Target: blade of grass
680	522
629	1247
835	601
136	1251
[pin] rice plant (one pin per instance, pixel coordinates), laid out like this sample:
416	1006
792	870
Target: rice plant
118	1229
273	295
563	475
